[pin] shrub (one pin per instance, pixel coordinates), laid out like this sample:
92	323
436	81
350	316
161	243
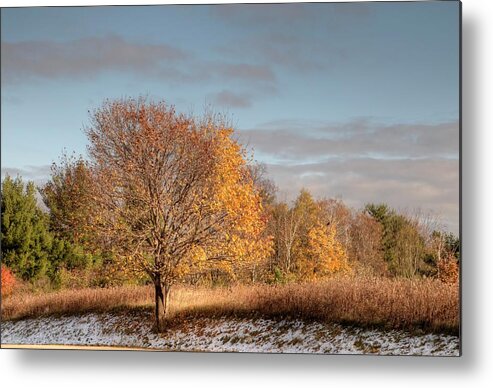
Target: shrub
448	270
8	281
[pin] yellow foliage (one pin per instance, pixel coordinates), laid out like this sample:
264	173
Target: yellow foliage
235	196
175	194
324	256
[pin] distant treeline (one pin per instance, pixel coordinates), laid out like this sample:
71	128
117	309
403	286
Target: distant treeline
311	238
166	198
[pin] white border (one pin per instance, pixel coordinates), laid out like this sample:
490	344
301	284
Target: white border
128	369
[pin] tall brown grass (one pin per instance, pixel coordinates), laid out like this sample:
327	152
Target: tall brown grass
29	305
399	304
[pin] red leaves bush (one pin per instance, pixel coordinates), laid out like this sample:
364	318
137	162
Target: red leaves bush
8	281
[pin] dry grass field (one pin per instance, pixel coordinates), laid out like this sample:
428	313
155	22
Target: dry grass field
429	305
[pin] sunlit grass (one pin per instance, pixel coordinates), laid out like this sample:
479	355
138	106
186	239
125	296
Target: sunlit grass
392	303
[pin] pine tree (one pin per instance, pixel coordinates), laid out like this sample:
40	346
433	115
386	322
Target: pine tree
402	244
26	241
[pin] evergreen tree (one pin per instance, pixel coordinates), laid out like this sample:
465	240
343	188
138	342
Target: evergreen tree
26	241
402	245
452	245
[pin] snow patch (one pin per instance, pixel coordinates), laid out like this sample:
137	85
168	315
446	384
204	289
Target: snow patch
223	335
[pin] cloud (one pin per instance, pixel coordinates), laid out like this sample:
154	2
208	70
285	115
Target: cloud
38	174
405	184
230	99
296	140
407	166
83	57
220	71
290	51
247	71
273	16
311	42
259	14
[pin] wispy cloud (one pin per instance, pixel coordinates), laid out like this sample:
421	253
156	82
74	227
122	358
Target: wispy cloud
89	57
312	42
431	185
297	140
227	98
286	50
38	174
82	57
406	166
247	71
272	16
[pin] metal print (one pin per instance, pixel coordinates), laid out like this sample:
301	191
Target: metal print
274	178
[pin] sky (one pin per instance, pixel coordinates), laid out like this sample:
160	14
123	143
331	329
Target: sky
357	101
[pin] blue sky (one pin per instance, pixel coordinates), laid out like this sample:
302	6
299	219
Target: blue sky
357	101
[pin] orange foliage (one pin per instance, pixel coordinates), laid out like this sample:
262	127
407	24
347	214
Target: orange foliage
173	194
448	270
8	281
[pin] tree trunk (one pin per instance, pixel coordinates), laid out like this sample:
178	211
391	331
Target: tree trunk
161	303
167	290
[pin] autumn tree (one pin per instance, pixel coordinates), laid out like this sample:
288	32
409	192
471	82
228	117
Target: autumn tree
365	244
448	270
444	251
266	189
309	237
68	197
289	227
285	229
173	194
324	255
306	213
334	212
265	186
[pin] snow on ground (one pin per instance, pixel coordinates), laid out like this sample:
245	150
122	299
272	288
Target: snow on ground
223	335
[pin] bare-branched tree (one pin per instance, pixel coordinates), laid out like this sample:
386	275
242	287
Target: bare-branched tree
173	194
